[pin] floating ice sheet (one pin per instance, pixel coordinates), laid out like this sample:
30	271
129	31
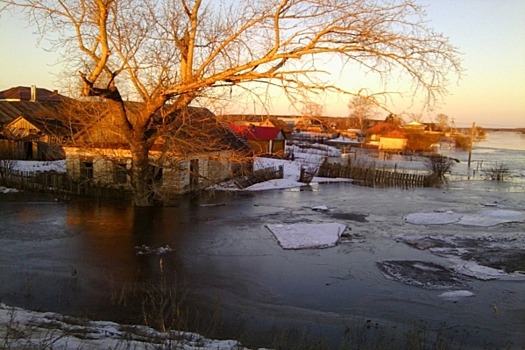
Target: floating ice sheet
485	218
307	235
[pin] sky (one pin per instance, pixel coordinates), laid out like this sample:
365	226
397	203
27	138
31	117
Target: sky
490	34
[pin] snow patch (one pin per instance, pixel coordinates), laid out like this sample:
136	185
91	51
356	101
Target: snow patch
7	190
41	330
39	166
307	236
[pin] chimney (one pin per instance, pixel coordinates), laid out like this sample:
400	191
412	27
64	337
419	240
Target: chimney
33	93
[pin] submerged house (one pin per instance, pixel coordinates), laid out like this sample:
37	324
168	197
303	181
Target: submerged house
32	126
262	139
195	152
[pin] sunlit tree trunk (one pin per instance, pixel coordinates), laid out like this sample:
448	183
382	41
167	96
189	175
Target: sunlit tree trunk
141	177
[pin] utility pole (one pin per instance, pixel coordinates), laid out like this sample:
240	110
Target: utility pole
471	141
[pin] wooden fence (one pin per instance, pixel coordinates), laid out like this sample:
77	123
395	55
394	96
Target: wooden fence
59	184
375	177
260	175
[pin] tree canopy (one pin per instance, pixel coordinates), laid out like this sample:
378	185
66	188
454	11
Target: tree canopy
174	52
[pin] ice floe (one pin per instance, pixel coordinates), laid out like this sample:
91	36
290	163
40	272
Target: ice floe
481	272
422	274
456	294
432	218
307	235
484	218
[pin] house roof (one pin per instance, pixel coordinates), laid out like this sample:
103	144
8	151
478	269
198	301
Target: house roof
185	131
278	123
26	93
49	117
197	130
382	128
395	134
256	133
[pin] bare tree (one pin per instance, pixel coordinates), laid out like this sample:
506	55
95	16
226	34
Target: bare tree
443	122
362	108
172	52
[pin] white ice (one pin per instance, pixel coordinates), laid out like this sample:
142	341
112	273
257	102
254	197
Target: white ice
307	235
471	268
484	218
456	294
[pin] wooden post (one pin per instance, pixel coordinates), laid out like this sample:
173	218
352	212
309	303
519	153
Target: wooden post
471	141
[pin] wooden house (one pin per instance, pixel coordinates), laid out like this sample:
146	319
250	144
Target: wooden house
262	139
195	152
31	123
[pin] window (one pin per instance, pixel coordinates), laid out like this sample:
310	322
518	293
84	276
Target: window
86	170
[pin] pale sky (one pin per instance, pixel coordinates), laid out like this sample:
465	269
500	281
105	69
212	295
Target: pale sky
489	33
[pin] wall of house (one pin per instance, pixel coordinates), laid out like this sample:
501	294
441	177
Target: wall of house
178	177
393	144
263	147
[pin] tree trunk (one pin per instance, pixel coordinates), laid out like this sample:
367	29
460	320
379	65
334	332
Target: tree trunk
141	177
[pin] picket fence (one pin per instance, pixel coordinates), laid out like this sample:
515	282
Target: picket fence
375	177
59	184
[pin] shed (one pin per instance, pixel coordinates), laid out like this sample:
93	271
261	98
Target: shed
262	139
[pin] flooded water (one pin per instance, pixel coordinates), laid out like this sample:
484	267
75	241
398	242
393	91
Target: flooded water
79	257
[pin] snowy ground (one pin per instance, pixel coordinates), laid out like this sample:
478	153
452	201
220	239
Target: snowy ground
22	329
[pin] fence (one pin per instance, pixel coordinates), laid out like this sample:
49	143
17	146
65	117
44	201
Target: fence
260	175
59	184
370	176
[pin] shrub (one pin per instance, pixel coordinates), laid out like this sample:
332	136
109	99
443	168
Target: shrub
462	141
438	166
499	172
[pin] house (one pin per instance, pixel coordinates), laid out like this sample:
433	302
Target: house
262	139
31	127
285	127
395	140
386	136
32	93
197	151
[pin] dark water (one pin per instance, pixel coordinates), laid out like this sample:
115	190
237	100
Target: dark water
80	257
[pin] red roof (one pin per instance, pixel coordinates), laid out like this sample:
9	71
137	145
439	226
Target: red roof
396	134
382	128
257	133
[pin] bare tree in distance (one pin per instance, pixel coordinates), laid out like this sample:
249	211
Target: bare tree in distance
443	122
168	54
362	108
